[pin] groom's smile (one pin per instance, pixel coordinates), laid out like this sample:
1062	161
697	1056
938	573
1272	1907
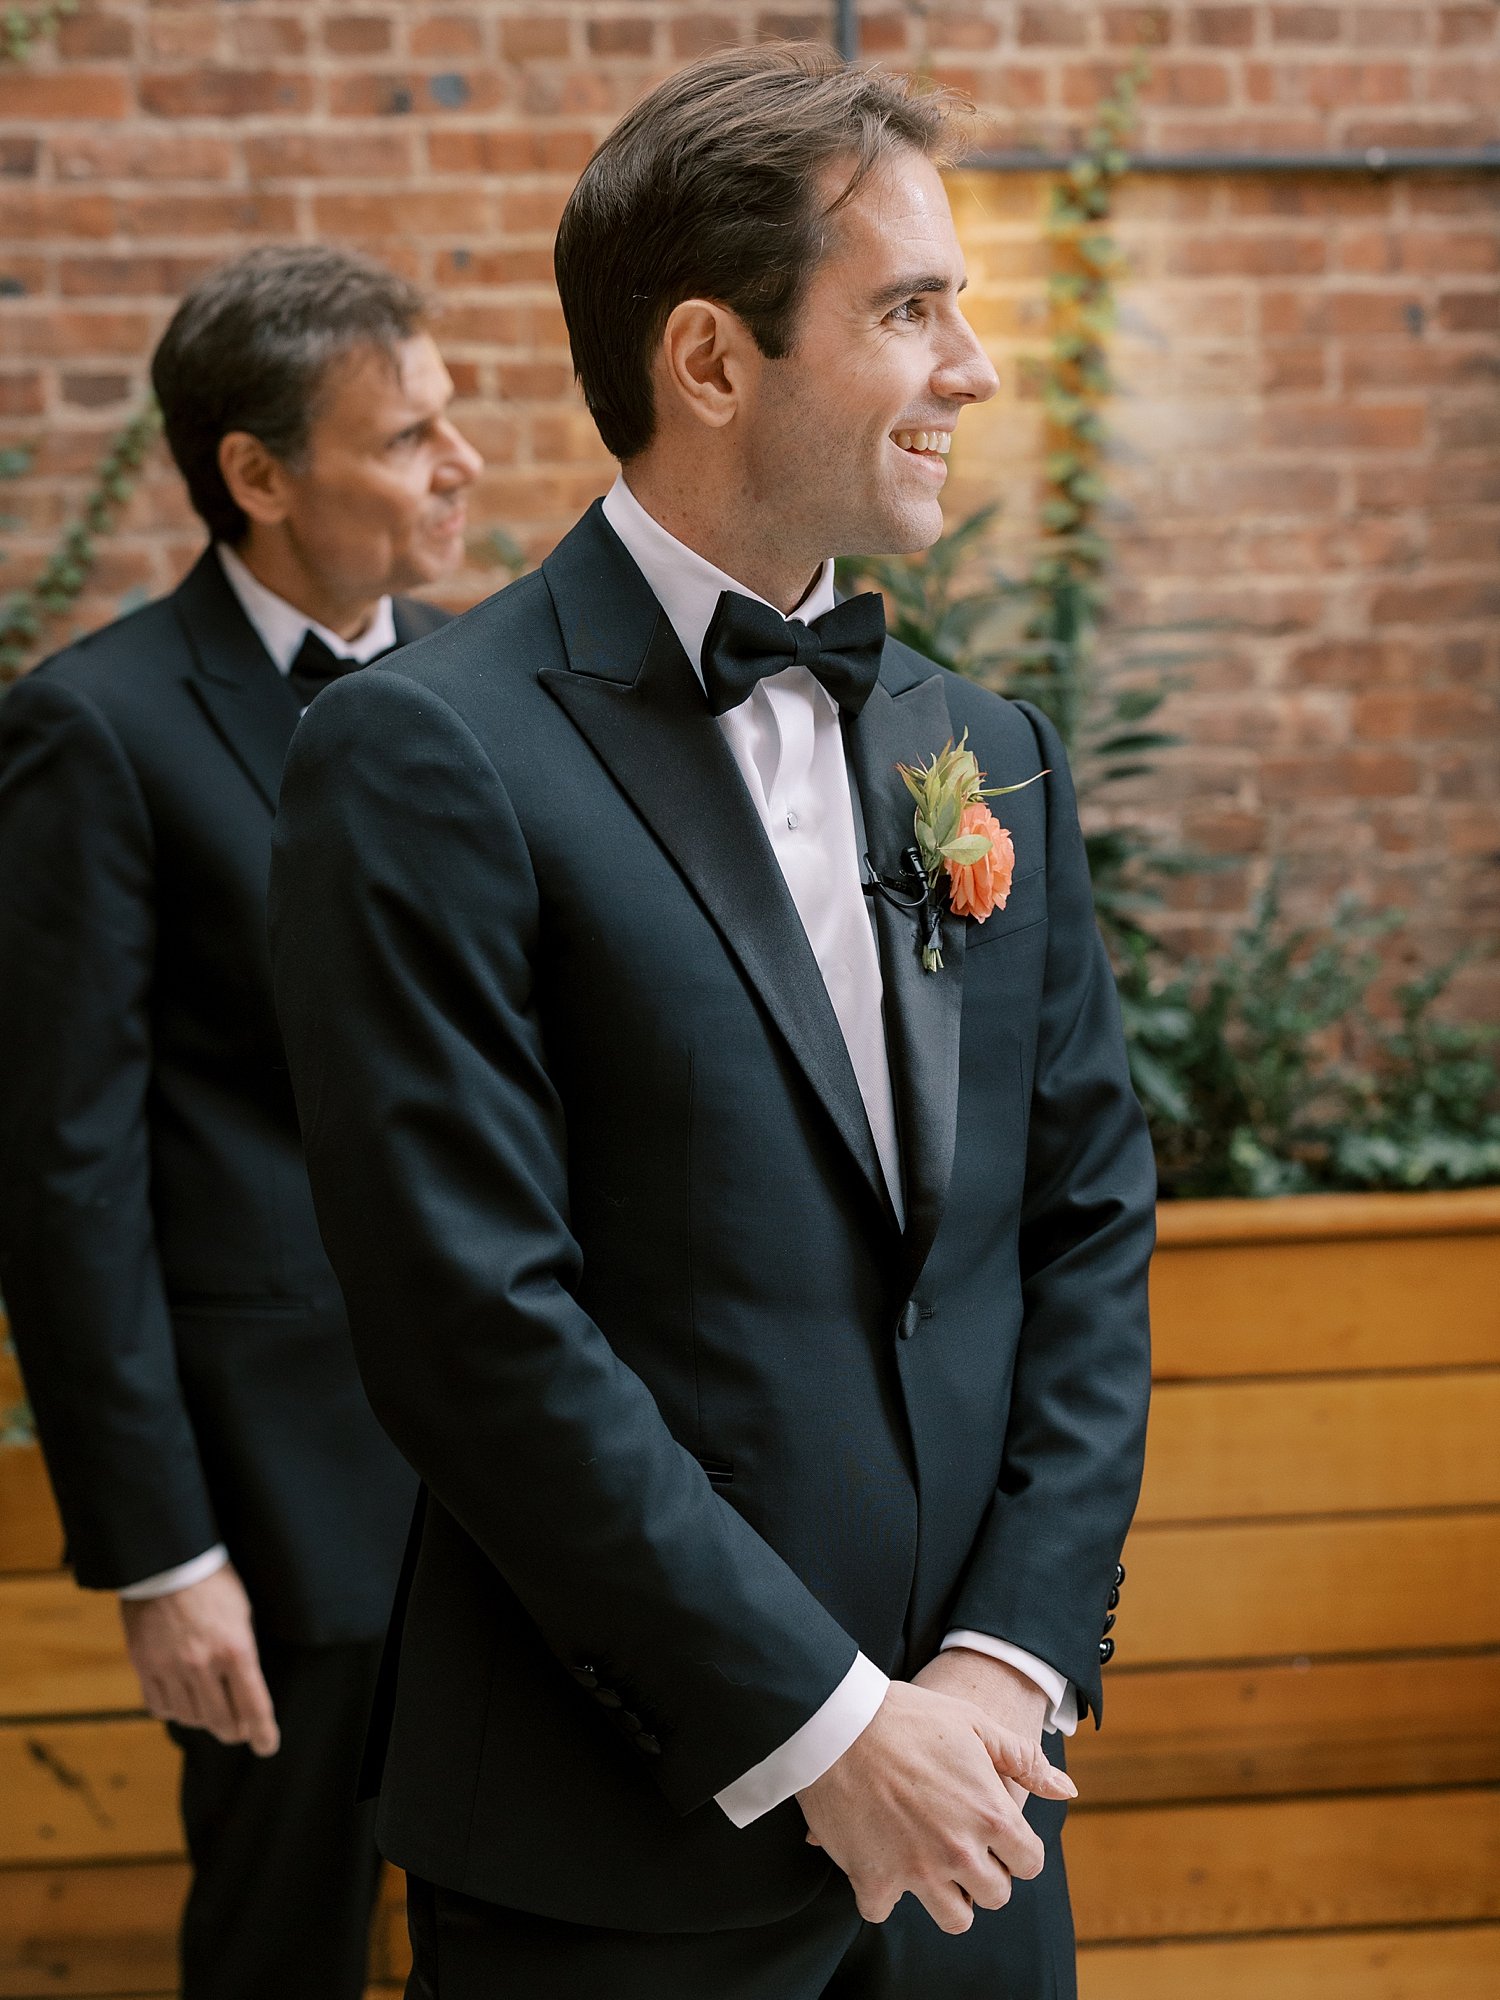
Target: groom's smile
924	443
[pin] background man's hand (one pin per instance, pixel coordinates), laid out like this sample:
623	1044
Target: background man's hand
1005	1694
194	1652
916	1803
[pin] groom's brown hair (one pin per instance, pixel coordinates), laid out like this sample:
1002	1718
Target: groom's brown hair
710	188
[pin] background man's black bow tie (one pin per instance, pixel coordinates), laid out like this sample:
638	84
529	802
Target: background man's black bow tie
747	640
316	665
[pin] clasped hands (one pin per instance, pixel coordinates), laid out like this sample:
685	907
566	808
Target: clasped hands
928	1798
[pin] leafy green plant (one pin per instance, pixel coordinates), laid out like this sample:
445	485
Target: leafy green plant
21	28
24	613
1270	1071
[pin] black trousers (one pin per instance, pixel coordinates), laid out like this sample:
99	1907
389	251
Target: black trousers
285	1870
463	1949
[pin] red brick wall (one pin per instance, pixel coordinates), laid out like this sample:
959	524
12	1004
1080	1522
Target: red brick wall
1310	443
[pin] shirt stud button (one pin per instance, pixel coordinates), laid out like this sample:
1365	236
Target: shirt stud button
791	820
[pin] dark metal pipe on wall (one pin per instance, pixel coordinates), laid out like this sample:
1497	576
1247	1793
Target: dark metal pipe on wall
1368	160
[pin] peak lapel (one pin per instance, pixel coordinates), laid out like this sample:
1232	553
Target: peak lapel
247	702
905	722
630	691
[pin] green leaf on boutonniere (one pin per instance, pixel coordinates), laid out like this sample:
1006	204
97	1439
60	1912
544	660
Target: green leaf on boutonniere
945	821
967	849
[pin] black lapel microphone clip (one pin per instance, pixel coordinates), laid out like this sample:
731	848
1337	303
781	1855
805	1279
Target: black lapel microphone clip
910	892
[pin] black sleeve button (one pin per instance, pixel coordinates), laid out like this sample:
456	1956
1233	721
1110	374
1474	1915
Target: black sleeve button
585	1676
607	1698
1114	1598
1119	1574
1109	1623
647	1743
1106	1651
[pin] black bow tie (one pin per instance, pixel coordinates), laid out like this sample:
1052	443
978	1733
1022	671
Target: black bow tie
316	665
747	640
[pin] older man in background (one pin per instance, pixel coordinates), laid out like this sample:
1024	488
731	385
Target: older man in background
181	1334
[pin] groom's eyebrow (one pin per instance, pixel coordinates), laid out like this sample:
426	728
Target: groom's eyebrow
906	288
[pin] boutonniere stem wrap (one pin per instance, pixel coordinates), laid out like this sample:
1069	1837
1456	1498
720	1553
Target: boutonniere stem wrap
961	848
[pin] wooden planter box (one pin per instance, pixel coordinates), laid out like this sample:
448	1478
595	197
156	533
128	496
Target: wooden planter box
1297	1796
1303	1717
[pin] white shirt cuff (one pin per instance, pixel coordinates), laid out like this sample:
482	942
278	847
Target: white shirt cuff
1062	1696
168	1580
815	1748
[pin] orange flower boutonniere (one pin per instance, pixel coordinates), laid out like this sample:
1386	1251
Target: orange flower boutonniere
960	843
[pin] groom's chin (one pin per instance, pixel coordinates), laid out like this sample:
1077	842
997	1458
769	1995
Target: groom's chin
909	527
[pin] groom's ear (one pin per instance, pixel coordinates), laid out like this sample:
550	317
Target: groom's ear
704	363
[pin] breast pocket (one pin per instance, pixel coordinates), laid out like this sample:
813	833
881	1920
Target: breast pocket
1025	906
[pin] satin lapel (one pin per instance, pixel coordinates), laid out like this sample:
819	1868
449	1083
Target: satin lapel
631	692
922	1009
247	702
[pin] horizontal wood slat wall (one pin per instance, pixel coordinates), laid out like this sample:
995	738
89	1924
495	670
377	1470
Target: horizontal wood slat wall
1297	1793
1418	1964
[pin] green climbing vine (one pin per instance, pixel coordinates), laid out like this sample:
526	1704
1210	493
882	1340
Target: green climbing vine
21	28
24	613
1086	264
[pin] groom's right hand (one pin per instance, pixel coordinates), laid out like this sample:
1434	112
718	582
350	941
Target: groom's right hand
917	1803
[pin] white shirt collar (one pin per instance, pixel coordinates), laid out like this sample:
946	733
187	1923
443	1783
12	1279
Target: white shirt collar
687	585
282	627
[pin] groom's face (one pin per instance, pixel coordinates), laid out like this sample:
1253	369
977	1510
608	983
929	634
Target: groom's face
882	362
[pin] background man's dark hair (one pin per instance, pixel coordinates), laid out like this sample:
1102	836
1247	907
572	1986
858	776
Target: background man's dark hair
249	350
710	188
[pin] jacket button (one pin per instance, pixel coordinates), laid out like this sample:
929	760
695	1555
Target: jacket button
1114	1599
908	1323
628	1722
647	1743
585	1676
607	1698
1119	1574
1109	1623
1106	1651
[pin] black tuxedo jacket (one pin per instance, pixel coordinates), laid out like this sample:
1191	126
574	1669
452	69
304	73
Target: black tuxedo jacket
592	1166
181	1335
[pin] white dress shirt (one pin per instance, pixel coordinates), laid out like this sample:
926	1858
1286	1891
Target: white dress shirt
281	628
788	744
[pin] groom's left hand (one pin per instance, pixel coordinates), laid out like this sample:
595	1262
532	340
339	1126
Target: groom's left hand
1005	1694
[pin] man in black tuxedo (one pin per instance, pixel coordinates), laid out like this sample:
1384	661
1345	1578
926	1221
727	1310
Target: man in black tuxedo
764	1312
181	1335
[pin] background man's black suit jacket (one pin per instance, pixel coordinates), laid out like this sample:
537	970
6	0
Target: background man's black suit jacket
593	1169
181	1335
